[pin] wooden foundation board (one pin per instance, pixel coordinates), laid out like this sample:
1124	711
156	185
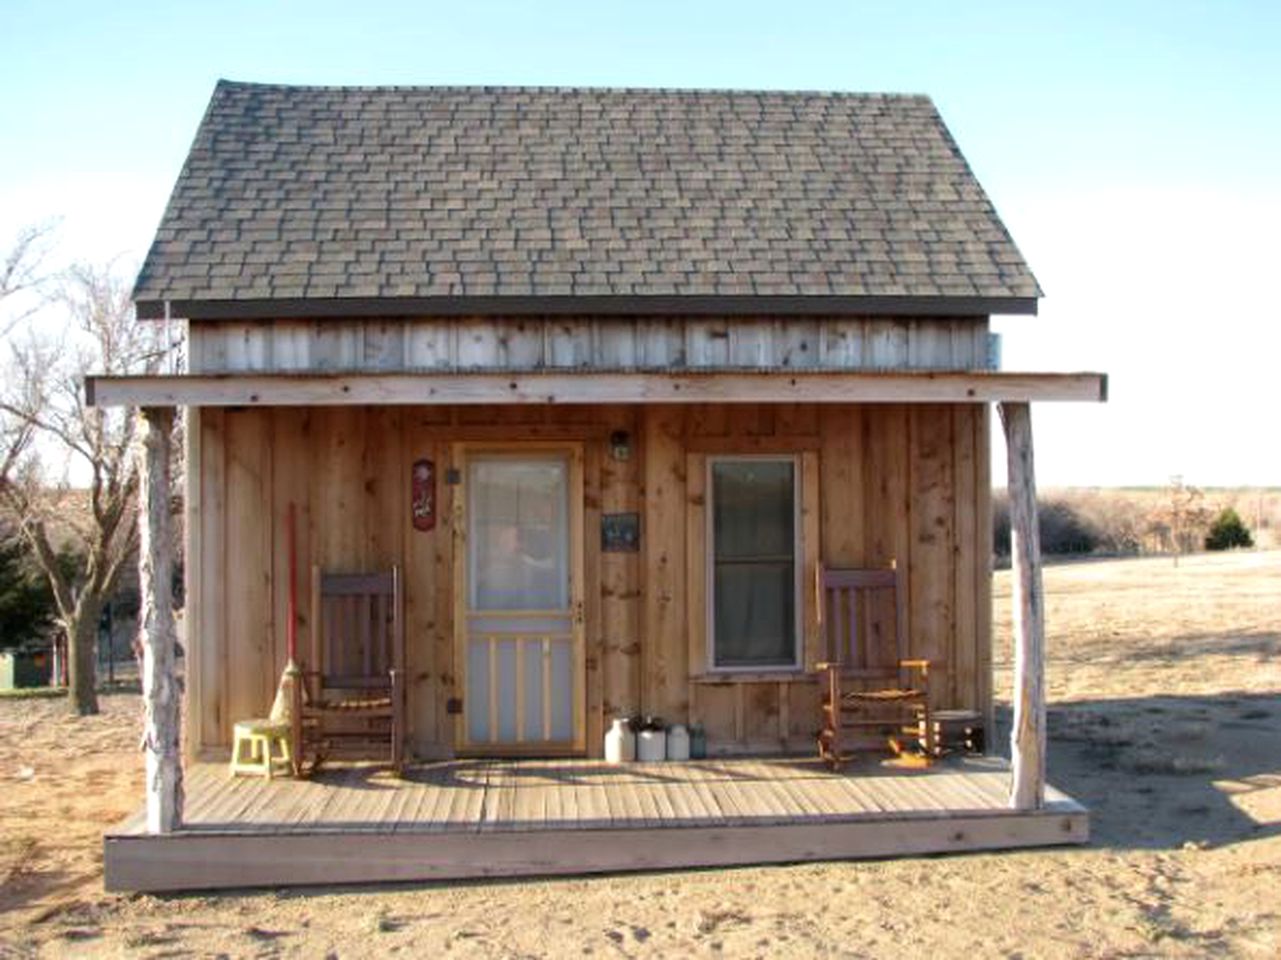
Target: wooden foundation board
487	818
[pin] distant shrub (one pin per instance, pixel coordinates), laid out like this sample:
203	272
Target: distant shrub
1227	531
1064	528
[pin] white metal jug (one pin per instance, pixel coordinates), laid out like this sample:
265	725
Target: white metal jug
620	742
651	746
677	742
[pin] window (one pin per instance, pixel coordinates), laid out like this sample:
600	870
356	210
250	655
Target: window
754	575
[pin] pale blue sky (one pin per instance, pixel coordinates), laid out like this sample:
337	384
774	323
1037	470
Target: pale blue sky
1133	149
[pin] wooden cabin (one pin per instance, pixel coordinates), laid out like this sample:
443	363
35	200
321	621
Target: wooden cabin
608	375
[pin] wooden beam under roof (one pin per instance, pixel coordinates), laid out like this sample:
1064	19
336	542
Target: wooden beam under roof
561	387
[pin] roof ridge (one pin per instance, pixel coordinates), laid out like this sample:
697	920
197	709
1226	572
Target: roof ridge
225	83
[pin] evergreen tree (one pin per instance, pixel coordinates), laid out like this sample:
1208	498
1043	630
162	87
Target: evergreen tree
1227	532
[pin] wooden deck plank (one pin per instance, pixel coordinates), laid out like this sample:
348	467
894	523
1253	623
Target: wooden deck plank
712	811
769	803
446	791
295	803
679	798
331	797
240	793
222	796
527	803
573	816
490	798
554	805
419	807
795	792
863	799
625	802
201	792
654	812
541	796
781	784
959	792
589	804
408	796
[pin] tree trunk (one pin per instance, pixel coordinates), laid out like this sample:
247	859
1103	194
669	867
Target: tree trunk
160	687
1027	738
82	634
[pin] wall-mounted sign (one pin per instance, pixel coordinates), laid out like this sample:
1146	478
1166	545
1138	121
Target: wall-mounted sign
423	495
620	532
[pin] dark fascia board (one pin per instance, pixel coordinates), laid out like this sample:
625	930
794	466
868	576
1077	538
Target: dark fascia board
598	306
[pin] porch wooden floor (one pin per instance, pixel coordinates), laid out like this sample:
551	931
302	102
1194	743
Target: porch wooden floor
473	818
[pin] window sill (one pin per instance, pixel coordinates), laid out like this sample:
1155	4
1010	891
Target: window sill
784	675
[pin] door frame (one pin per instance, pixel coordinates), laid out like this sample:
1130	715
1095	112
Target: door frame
461	453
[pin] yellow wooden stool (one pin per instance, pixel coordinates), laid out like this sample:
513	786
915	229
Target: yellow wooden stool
261	737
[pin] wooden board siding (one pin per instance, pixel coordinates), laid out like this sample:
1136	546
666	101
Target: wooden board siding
878	483
605	343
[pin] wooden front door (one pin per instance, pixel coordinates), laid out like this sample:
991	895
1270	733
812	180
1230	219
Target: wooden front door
519	600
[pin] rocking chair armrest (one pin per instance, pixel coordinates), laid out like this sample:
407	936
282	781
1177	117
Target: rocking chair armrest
916	664
826	665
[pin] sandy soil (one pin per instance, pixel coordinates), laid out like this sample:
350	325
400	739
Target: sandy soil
1166	720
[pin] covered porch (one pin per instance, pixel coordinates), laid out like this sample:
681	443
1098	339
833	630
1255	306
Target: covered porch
469	818
502	818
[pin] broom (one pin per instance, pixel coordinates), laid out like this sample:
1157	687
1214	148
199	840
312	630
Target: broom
282	708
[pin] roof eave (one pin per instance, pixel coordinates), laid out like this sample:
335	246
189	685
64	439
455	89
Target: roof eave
676	305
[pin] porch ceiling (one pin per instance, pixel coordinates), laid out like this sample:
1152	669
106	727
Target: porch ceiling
568	386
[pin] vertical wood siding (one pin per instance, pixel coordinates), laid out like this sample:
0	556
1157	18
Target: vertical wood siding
878	483
609	343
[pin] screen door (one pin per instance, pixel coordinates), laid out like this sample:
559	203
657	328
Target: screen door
523	621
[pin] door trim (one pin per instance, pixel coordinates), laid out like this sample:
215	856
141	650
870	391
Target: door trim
460	453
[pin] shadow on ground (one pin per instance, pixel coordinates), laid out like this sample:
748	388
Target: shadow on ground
1163	772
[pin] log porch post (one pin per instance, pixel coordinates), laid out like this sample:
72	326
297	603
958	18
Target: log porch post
1027	738
160	693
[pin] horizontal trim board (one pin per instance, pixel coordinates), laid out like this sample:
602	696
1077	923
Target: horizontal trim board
568	387
904	306
195	861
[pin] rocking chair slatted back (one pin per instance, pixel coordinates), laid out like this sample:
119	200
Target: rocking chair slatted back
358	638
351	699
863	614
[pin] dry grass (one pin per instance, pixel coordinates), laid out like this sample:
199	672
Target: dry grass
1166	720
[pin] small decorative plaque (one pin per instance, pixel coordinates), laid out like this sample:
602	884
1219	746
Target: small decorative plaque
620	532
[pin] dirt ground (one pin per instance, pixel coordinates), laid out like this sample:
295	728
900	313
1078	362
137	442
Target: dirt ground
1165	687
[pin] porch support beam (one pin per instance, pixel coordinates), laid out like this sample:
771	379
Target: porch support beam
1027	738
160	693
587	386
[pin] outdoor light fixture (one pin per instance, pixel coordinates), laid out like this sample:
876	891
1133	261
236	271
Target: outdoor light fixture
620	445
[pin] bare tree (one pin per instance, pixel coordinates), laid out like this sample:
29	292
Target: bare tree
22	272
70	475
1180	521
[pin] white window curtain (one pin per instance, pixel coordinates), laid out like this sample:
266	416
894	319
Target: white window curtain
753	581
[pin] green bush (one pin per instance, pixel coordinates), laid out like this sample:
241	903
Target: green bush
1227	531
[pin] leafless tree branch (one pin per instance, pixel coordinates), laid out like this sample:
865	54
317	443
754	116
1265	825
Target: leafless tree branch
68	473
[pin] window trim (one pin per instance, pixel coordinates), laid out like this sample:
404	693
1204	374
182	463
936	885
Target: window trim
798	565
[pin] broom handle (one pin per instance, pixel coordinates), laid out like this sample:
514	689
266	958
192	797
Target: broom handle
292	633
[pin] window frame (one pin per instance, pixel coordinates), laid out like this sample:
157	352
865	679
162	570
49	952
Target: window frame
798	565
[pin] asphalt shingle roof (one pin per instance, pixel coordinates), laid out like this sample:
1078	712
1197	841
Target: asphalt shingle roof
422	195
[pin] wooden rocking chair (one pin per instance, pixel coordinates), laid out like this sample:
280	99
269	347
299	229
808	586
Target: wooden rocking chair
351	701
871	693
